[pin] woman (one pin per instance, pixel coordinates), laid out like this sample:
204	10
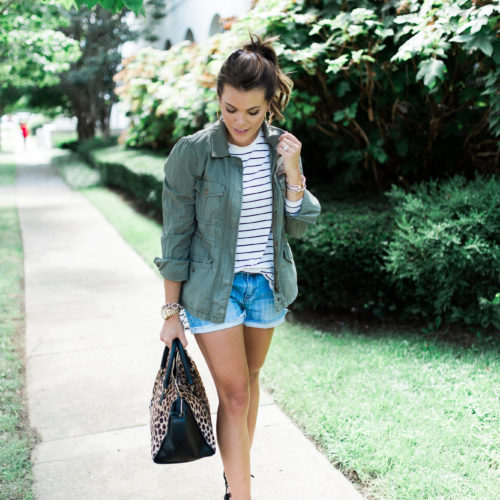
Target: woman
227	207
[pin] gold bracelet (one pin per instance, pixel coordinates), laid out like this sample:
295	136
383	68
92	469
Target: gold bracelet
169	310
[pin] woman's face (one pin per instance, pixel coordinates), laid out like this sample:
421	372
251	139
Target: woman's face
243	112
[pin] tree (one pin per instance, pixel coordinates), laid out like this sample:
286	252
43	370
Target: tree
135	6
86	89
32	50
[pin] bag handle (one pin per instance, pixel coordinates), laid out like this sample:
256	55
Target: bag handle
176	346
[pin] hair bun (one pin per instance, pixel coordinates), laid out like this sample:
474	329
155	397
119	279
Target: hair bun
262	46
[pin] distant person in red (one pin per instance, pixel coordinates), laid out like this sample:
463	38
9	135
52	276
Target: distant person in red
25	131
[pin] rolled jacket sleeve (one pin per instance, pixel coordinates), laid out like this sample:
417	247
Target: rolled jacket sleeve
178	208
297	224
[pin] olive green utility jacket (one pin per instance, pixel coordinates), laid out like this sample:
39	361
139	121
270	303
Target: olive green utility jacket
201	201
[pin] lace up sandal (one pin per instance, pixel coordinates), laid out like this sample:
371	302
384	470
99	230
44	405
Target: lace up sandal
227	496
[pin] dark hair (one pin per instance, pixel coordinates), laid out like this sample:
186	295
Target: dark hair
256	66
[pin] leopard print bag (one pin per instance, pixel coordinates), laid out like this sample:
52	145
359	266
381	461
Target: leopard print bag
180	420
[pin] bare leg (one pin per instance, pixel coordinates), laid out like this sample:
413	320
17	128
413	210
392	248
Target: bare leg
224	352
257	342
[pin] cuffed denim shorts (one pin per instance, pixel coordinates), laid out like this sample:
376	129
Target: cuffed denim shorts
251	303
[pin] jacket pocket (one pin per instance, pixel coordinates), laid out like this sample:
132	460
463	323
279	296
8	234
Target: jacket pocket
197	291
209	195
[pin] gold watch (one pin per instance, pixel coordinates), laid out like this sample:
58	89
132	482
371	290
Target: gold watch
169	310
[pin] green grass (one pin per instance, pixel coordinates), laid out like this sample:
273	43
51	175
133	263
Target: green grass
16	438
7	170
411	418
402	415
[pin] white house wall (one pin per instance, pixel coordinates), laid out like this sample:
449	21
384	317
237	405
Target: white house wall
197	16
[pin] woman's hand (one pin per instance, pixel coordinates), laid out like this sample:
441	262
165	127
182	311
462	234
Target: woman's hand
289	148
173	328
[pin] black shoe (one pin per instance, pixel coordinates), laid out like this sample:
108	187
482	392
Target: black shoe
227	496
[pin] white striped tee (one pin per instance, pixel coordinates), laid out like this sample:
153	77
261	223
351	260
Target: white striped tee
254	248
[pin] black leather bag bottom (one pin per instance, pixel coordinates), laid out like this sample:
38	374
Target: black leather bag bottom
184	442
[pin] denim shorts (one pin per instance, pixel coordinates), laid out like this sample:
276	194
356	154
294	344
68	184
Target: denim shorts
251	303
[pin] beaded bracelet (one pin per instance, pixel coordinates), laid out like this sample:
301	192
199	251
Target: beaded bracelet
297	188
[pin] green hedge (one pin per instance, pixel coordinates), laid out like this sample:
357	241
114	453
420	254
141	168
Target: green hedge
85	148
431	253
138	173
340	262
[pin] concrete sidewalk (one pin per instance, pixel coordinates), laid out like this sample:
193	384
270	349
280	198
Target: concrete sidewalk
92	353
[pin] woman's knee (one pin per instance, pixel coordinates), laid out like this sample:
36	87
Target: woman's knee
235	396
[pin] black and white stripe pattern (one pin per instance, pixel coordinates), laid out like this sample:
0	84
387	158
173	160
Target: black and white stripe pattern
254	249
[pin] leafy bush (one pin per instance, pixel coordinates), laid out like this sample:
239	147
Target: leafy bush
385	92
340	264
170	93
444	254
408	89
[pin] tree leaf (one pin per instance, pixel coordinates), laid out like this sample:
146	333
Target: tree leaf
135	6
342	88
430	70
482	43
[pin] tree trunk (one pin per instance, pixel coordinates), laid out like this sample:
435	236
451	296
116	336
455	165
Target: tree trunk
104	119
85	126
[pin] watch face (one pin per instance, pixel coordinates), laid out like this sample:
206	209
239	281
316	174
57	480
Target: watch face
164	314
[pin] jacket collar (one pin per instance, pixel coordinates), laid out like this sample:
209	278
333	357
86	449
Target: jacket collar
219	137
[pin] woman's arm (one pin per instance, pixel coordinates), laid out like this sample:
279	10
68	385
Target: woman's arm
289	148
310	208
172	291
178	203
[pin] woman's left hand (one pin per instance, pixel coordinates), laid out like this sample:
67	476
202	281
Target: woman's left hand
289	148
